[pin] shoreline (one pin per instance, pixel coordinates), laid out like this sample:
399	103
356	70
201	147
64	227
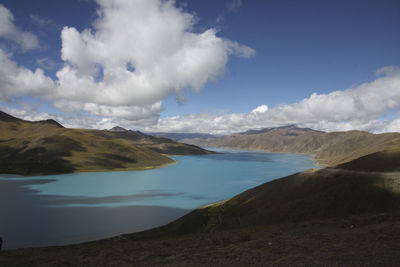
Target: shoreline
144	168
316	162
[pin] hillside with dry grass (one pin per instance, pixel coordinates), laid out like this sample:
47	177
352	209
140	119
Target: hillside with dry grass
381	161
329	149
324	217
46	147
347	215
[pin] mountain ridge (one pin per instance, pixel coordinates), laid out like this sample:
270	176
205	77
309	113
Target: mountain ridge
46	147
322	216
180	136
327	148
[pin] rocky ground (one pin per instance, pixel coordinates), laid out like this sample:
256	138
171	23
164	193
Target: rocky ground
368	240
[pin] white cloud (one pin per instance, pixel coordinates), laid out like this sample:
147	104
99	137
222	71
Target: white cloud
354	108
159	44
393	126
8	30
19	81
260	109
363	102
136	53
132	113
140	51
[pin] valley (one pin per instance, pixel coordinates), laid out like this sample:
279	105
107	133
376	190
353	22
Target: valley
318	216
327	148
46	147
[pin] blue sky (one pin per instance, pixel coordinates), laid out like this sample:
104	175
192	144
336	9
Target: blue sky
329	65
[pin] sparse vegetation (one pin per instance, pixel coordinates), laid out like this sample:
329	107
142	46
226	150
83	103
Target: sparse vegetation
319	217
347	215
328	149
46	147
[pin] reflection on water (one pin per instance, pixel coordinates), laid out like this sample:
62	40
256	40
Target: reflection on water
60	209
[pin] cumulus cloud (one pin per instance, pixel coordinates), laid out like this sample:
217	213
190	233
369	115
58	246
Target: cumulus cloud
363	102
155	39
354	108
136	53
393	126
260	109
18	81
9	31
140	51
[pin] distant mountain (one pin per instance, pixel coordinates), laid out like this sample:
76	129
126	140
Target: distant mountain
327	148
329	212
288	127
46	147
121	129
321	217
180	136
118	129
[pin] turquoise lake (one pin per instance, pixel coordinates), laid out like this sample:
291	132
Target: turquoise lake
71	208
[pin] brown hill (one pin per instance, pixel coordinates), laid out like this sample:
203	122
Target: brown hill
6	117
47	147
382	161
329	149
343	216
326	217
310	195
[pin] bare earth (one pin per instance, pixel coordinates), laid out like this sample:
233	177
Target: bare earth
370	240
242	232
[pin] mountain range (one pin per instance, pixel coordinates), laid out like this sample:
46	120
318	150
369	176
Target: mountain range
182	136
345	214
46	147
327	148
341	216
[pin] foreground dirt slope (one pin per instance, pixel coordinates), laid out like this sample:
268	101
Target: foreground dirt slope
317	217
343	216
381	161
358	241
310	195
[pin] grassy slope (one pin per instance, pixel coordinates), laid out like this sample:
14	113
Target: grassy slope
329	149
333	216
45	147
317	217
311	195
42	148
381	161
367	185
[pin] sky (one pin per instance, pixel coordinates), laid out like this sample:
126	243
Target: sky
210	66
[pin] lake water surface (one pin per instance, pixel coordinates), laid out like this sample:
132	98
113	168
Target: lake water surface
71	208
